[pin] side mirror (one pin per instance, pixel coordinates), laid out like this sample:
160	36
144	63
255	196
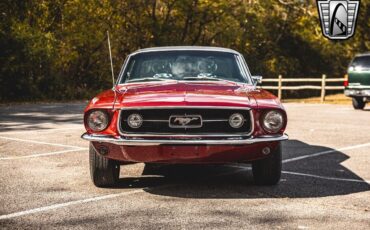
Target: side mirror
257	80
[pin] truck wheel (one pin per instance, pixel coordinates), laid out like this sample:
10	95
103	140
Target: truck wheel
358	103
104	172
268	171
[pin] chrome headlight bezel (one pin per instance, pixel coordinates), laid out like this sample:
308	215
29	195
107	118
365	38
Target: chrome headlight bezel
273	121
97	120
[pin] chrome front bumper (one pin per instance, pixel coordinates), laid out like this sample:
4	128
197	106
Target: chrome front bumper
357	92
149	142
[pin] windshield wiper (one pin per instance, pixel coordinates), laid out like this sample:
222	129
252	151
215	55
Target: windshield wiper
147	79
209	78
202	78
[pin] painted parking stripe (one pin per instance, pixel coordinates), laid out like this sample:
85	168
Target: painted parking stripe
94	199
311	175
66	204
46	130
326	178
109	196
326	152
43	154
40	142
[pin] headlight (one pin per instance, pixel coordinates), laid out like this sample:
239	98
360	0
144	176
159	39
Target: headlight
98	120
135	120
358	68
272	121
236	120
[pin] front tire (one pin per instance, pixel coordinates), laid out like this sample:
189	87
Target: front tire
358	103
268	171
104	172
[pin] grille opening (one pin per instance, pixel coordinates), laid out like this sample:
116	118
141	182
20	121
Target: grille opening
215	121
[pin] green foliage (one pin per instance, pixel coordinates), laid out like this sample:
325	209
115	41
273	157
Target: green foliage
56	49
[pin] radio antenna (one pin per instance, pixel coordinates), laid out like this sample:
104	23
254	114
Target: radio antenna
110	56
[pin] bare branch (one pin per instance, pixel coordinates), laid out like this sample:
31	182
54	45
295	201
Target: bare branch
286	3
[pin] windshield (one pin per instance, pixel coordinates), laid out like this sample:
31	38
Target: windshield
184	65
363	61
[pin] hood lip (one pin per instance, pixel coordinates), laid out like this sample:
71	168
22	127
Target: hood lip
241	92
124	88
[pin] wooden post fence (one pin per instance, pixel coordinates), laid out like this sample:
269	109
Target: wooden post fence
280	84
323	87
323	83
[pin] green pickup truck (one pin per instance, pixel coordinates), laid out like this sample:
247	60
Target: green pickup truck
358	85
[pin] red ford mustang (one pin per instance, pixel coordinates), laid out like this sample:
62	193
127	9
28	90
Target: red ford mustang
177	105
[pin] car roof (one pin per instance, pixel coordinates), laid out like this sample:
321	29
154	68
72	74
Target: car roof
189	48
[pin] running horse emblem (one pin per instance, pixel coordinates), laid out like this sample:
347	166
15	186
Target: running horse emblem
184	120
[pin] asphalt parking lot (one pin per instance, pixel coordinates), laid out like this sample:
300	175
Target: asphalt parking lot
45	181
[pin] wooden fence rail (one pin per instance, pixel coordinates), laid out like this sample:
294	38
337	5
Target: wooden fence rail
323	87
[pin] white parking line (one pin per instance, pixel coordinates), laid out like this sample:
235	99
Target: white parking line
43	154
326	178
93	199
40	142
310	175
326	152
109	196
66	204
46	130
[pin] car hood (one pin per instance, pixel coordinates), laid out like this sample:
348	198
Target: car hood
186	94
361	78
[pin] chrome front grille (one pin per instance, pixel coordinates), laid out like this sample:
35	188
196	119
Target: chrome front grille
214	121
